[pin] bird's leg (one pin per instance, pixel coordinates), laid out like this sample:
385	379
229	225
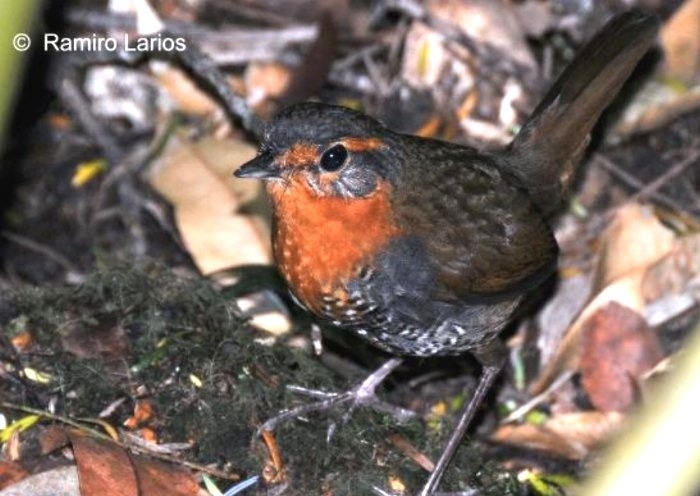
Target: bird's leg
491	357
362	394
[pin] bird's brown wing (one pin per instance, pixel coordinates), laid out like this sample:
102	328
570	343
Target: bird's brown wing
482	232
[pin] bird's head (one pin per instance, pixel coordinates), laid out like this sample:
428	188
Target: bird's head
329	151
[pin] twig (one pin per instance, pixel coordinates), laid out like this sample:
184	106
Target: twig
101	20
193	60
251	11
139	449
664	178
490	54
42	249
235	105
358	56
635	183
533	402
76	102
233	46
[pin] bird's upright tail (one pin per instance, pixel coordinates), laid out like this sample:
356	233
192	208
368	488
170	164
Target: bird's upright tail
550	145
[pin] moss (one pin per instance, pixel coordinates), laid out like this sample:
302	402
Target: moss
193	356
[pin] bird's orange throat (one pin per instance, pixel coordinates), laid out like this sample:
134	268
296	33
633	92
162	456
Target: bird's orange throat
322	242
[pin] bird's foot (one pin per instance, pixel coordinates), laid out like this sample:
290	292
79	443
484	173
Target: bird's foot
364	394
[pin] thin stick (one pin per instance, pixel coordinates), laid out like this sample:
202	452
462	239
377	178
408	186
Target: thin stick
635	183
139	449
664	178
39	248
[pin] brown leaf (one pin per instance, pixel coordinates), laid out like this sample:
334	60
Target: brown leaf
265	80
103	468
148	434
105	339
618	347
490	22
632	244
655	106
572	435
106	469
410	451
681	43
157	478
143	412
10	473
53	438
673	274
188	97
635	239
675	92
196	179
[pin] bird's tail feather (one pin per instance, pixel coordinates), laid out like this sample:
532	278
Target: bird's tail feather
551	143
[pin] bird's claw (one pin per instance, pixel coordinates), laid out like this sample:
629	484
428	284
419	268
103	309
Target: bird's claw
364	394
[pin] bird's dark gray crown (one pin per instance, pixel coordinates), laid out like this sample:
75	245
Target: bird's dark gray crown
318	123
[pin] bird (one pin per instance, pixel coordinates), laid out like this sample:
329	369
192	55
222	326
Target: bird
423	247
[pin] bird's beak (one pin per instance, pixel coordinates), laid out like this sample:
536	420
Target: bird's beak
261	167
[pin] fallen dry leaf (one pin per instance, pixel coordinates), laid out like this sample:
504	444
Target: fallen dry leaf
622	267
206	202
410	451
429	60
634	239
10	473
103	468
675	91
106	469
655	106
618	349
265	81
485	21
186	95
571	435
53	438
557	315
396	485
675	272
105	339
143	412
681	43
148	434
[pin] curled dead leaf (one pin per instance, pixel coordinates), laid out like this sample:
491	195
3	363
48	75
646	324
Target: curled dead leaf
571	435
633	243
618	349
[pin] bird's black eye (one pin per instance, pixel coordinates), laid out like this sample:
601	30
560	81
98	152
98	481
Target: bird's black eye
334	158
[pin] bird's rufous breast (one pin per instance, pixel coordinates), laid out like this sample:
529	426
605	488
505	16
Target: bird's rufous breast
320	243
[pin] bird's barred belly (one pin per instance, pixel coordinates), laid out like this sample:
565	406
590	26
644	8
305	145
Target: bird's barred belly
449	331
